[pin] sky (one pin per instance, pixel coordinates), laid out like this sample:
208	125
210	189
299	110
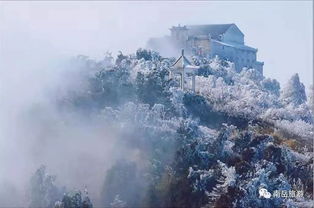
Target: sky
45	31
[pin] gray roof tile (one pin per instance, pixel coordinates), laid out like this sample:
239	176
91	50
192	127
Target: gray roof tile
214	30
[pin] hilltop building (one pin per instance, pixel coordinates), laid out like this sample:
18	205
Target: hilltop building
224	40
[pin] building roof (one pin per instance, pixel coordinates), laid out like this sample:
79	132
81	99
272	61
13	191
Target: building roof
239	46
183	62
214	30
199	37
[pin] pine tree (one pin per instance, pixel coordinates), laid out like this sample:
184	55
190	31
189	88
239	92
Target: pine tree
294	91
43	191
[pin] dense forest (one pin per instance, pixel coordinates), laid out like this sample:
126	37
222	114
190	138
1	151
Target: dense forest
215	147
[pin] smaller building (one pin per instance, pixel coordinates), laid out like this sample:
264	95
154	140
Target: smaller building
224	40
183	67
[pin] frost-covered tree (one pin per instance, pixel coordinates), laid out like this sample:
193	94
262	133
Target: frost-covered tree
120	58
191	157
271	85
263	178
123	179
117	202
108	60
153	88
43	191
311	99
74	199
143	53
294	91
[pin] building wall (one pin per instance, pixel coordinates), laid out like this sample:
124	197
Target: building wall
179	34
241	57
259	66
200	46
223	51
248	59
233	35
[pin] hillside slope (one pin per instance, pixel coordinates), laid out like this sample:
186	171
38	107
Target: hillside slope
214	148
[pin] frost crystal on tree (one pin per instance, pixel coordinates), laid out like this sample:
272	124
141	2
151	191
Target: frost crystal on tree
117	202
43	191
294	91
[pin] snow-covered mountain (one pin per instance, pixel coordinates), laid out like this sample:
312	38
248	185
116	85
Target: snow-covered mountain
216	147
